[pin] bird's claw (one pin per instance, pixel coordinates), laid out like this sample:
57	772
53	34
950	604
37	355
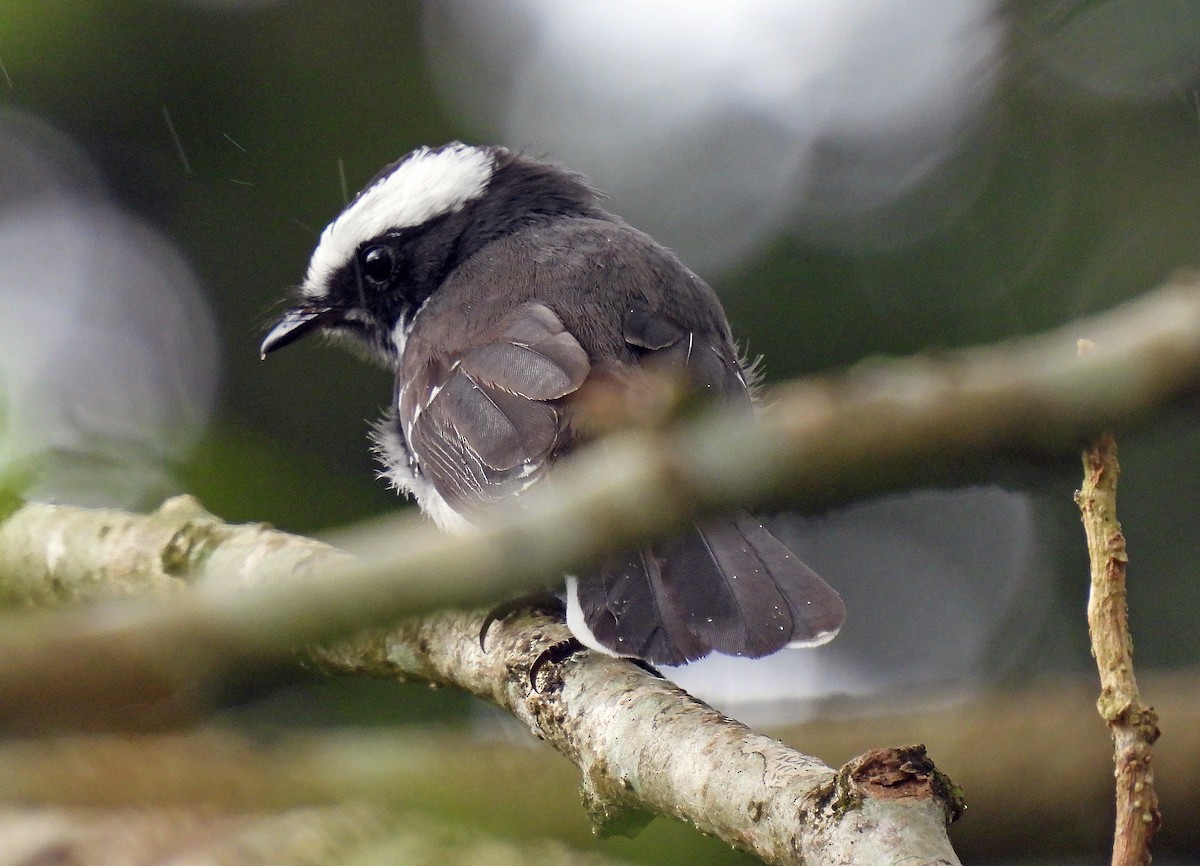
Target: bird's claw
554	654
541	602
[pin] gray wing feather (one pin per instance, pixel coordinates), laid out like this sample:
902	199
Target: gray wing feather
482	425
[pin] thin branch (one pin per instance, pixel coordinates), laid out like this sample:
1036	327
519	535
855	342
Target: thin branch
876	427
1134	726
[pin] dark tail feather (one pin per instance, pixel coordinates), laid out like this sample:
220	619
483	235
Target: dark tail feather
727	585
624	608
818	612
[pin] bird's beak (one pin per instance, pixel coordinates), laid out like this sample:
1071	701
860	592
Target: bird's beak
297	322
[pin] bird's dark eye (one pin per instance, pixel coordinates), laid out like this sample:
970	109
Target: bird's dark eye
378	265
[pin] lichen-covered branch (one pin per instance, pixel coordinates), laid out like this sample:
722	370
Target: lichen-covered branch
877	427
259	594
643	747
635	738
646	747
1134	726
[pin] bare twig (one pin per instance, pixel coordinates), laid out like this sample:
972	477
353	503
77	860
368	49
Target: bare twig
1134	726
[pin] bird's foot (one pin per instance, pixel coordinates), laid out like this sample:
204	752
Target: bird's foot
554	654
542	601
563	650
647	667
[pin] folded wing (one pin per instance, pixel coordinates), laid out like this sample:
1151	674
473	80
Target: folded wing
484	425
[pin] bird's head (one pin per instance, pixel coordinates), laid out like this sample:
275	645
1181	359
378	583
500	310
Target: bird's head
396	242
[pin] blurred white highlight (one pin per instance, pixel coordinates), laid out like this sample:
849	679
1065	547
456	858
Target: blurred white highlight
946	590
715	125
108	358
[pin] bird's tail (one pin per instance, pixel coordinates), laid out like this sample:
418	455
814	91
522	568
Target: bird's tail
725	586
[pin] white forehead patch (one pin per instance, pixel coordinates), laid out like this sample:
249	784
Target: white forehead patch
427	184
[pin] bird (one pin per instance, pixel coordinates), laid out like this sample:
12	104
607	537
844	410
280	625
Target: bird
501	293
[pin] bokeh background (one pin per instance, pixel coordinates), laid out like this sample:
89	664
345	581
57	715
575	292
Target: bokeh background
855	178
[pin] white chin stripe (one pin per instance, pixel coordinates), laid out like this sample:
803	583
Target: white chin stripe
428	183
